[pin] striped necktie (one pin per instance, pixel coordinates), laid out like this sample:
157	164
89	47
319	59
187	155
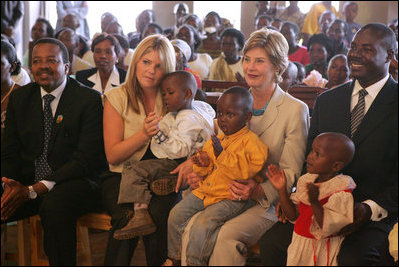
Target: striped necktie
42	168
357	113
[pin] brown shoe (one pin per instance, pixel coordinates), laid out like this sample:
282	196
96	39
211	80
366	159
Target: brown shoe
164	186
141	224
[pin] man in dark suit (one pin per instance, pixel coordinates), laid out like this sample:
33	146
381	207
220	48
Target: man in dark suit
375	164
52	151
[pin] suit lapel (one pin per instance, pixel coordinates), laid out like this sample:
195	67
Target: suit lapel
378	111
345	109
36	117
271	112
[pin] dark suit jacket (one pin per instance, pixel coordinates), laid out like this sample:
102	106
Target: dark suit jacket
375	164
76	147
83	75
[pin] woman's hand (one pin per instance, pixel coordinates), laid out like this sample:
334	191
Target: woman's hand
243	189
182	170
151	124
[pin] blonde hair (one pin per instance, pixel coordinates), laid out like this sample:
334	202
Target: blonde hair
156	42
275	46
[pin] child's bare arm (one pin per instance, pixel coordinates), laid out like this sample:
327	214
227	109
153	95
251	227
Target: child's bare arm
313	195
278	180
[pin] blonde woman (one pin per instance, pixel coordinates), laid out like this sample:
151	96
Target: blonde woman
131	115
281	122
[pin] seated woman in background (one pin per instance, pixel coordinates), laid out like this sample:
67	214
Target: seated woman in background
199	62
320	49
151	29
296	52
212	28
84	51
125	54
42	28
20	76
336	31
9	62
228	67
289	77
301	72
195	21
183	52
105	75
337	74
337	71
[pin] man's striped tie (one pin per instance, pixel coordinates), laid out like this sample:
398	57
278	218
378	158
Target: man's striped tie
358	112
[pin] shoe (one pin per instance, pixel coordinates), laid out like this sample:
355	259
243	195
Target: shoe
164	186
141	224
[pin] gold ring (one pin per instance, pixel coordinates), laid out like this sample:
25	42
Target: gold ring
239	199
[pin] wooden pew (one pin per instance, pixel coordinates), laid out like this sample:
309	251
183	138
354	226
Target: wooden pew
212	97
307	94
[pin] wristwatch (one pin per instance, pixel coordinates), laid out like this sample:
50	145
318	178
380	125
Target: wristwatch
32	192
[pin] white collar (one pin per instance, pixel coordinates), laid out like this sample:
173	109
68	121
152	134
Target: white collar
373	89
57	92
112	81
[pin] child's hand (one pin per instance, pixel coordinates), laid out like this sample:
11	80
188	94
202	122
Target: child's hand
151	124
313	192
276	177
201	159
217	146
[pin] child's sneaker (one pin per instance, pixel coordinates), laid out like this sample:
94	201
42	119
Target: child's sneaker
140	224
164	186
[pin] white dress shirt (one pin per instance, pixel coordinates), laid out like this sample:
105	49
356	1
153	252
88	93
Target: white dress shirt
377	212
54	104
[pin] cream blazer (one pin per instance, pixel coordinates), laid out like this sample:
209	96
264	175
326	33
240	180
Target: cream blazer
283	128
133	122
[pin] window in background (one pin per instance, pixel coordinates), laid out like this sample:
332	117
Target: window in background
230	10
125	11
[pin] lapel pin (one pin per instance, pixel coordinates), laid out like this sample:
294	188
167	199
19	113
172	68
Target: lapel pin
59	119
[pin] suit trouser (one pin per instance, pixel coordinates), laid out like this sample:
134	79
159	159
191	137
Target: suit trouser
120	252
59	210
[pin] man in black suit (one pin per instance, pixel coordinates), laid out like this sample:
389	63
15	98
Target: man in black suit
375	164
52	151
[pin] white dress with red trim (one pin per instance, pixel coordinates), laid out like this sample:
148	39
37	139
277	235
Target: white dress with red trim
312	245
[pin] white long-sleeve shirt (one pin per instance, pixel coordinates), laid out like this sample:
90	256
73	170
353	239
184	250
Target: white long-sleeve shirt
182	133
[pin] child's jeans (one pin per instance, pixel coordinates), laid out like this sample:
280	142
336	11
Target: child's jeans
205	228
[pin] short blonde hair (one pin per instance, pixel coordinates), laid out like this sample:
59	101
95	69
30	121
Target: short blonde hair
156	42
275	46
